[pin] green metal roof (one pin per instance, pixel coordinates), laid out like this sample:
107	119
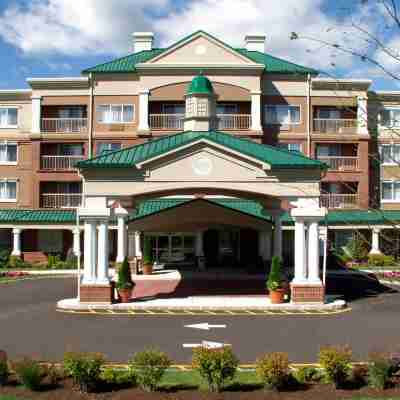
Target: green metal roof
130	156
37	216
272	64
151	207
200	85
125	64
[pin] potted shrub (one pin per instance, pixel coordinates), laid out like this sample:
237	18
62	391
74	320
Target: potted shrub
148	261
124	284
275	282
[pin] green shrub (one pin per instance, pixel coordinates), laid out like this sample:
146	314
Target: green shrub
84	368
147	251
336	362
17	262
379	371
359	375
380	260
30	373
4	372
149	367
4	257
215	366
273	370
124	276
308	374
54	374
356	249
118	378
274	281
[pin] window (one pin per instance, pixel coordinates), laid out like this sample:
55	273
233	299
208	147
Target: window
227	109
328	150
328	113
390	117
115	113
390	153
105	147
8	117
50	241
8	191
173	109
70	149
8	153
391	191
71	112
290	146
282	114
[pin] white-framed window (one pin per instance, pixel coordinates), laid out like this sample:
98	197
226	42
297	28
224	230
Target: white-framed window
389	117
390	153
173	109
106	147
8	153
390	191
8	191
8	117
227	108
282	114
290	146
115	113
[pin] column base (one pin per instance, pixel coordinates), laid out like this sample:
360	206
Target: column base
307	293
91	293
375	252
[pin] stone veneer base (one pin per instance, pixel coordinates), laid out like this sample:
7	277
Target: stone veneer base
307	293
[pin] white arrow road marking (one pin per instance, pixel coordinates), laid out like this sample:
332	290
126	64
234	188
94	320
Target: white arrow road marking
207	344
205	326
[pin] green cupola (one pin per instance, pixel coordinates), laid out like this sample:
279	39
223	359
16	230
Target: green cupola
200	113
200	84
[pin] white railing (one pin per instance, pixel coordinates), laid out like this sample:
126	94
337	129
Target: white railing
61	200
166	121
60	162
64	125
339	200
330	125
340	163
233	121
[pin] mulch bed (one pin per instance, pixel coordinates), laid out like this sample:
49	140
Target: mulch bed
312	392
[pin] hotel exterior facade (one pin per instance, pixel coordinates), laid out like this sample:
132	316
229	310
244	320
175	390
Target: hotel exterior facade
222	156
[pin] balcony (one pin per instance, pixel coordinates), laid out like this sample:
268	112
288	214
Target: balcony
342	201
331	125
64	125
61	200
60	162
166	121
344	163
233	121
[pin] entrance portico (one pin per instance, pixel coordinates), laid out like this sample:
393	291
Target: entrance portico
203	163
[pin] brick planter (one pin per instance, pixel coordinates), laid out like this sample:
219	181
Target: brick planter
307	293
97	293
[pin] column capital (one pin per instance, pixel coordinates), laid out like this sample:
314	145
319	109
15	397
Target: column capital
17	231
144	91
376	230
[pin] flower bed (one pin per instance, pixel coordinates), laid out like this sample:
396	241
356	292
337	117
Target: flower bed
10	275
391	276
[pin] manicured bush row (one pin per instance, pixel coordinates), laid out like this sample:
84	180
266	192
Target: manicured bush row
216	367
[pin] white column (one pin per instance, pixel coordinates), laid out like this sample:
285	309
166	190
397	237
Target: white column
121	239
102	253
199	244
362	115
89	248
313	253
300	252
16	242
375	242
76	244
138	251
144	110
278	237
36	114
256	123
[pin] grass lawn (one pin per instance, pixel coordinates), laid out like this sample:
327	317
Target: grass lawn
191	380
9	397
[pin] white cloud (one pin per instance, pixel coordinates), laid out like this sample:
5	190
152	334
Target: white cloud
75	27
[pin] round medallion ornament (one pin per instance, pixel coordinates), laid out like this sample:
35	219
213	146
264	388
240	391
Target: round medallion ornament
202	166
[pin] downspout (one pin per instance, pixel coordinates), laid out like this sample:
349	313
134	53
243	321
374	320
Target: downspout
308	115
91	106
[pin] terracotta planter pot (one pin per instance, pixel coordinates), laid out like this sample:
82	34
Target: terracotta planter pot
277	296
147	269
125	295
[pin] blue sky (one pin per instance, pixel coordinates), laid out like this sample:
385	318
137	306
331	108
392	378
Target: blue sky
62	37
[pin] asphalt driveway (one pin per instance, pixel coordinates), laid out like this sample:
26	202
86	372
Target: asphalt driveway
30	325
